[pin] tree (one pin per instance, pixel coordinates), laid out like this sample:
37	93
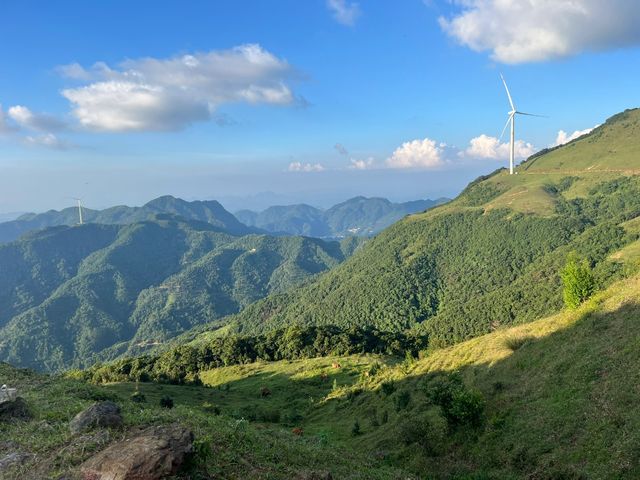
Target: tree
578	281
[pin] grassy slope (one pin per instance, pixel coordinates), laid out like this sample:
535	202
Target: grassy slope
474	258
560	403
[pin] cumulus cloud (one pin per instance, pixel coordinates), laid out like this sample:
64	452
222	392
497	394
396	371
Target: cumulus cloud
518	31
344	12
563	137
305	167
47	140
490	148
152	94
423	154
35	121
361	164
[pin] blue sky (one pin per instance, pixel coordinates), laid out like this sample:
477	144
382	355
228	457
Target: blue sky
314	100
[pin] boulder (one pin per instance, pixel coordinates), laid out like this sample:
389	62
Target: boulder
14	409
151	454
101	414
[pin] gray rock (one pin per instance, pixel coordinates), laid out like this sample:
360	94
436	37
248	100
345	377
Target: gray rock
13	459
152	454
101	414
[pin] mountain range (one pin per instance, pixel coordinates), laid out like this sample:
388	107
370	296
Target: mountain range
71	295
357	216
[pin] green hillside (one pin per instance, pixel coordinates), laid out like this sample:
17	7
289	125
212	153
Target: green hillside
550	399
71	295
487	259
204	211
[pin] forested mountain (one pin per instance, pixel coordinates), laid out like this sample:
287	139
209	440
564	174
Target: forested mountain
488	259
205	211
357	216
70	295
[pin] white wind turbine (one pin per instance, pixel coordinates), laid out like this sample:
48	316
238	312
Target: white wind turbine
79	200
512	118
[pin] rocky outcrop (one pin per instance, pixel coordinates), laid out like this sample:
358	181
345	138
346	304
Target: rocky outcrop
101	414
151	454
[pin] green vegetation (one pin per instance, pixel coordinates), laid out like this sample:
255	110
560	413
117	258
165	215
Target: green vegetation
560	403
184	364
578	282
357	216
72	295
486	260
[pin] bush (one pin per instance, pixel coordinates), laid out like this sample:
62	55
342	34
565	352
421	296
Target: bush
577	280
460	405
211	408
402	400
355	430
428	429
166	402
388	388
138	397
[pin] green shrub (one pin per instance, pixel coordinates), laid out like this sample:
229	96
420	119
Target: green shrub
460	405
138	397
166	402
402	400
577	280
388	388
355	430
428	429
211	408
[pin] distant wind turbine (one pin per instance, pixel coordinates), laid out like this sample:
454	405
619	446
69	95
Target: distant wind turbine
512	118
79	200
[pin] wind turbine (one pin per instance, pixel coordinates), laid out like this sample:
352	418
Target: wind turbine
79	200
512	118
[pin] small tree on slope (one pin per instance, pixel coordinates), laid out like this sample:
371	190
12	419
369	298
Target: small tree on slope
577	280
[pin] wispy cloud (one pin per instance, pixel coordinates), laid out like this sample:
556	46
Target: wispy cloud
161	94
362	164
305	167
518	31
344	12
47	140
35	121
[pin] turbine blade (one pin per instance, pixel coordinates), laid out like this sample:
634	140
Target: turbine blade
508	93
506	125
531	115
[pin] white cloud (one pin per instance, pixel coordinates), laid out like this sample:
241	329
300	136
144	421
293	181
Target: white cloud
152	94
358	164
48	140
344	12
34	121
305	167
424	154
517	31
490	148
563	137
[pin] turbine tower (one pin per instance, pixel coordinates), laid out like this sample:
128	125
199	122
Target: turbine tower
512	119
79	200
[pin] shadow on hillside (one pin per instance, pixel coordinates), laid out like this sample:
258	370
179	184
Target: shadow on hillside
559	406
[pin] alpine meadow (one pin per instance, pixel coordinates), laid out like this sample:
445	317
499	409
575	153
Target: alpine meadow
278	240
